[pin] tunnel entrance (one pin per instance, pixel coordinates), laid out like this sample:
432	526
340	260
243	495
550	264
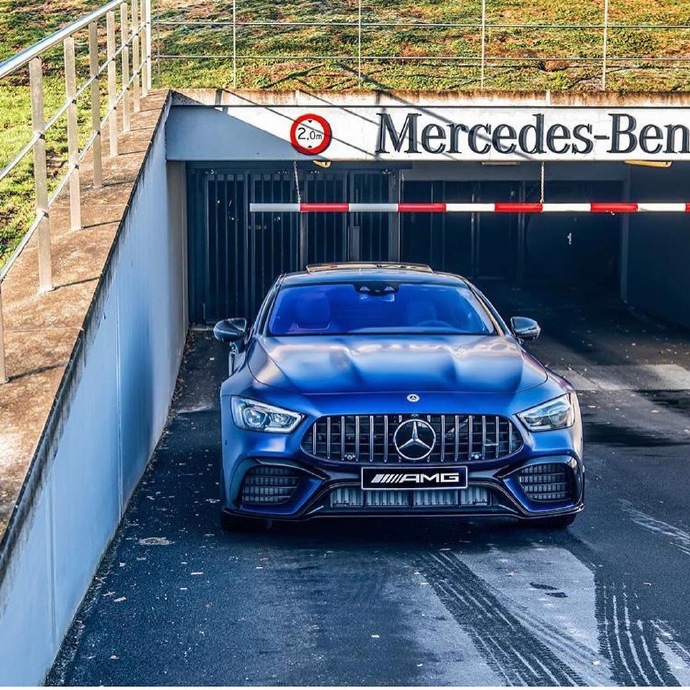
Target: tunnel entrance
235	254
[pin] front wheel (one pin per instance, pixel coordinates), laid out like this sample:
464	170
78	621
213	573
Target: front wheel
558	522
237	523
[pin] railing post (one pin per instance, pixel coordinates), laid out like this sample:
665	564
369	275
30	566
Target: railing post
234	44
45	277
149	28
359	43
3	368
124	35
158	52
112	81
142	44
136	55
606	45
95	106
483	58
72	135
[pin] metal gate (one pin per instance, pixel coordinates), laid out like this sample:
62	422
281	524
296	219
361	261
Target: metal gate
474	245
235	255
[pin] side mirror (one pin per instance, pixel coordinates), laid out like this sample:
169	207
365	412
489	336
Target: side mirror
230	330
524	328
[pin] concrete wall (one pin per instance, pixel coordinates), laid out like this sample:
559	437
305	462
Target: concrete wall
108	417
658	245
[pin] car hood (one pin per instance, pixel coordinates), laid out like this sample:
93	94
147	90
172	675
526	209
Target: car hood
354	364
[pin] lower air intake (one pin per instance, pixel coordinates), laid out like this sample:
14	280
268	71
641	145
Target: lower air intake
269	485
351	497
548	482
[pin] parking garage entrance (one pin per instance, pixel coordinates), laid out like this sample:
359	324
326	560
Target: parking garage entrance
605	158
235	254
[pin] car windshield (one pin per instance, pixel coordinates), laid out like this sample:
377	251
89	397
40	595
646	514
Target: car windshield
378	307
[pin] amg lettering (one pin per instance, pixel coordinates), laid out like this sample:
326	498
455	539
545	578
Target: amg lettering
417	478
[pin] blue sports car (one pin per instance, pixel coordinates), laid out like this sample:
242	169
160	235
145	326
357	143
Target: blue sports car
389	389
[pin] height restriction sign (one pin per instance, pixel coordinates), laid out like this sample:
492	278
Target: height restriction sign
310	134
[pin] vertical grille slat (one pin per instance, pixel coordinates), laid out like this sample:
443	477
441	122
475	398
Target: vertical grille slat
442	441
385	438
357	437
369	438
498	438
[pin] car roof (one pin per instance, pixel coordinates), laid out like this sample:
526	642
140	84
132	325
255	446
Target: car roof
337	273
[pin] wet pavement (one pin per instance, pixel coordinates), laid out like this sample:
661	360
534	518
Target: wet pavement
426	601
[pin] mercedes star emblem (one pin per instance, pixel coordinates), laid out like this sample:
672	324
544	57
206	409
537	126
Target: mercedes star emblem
414	439
412	397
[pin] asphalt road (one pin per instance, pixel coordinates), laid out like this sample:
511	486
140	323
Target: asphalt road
408	602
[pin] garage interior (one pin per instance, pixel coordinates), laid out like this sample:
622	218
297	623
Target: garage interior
235	255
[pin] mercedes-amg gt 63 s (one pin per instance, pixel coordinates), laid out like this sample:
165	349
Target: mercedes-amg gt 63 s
392	390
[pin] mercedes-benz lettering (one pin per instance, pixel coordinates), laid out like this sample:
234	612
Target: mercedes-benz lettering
388	389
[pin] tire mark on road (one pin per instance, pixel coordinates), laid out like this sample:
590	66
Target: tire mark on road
577	655
508	646
669	635
679	538
628	641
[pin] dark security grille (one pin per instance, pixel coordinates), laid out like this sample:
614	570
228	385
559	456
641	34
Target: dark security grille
369	438
235	255
548	482
272	485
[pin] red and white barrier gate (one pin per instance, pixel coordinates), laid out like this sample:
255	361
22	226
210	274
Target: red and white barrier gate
520	207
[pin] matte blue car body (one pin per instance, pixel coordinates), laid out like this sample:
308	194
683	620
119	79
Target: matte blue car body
363	374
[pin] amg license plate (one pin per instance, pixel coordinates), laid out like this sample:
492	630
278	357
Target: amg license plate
374	479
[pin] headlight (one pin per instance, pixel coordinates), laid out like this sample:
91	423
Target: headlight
555	414
256	416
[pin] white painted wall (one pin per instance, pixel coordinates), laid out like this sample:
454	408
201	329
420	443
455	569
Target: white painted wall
375	127
110	418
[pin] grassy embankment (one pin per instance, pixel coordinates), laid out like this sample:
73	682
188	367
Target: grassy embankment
24	22
553	66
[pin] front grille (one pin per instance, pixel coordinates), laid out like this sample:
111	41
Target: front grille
273	485
548	482
351	497
369	438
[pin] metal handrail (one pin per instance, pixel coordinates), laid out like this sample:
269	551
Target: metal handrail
135	38
23	58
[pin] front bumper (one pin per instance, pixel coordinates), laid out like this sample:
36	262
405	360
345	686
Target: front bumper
316	491
320	487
